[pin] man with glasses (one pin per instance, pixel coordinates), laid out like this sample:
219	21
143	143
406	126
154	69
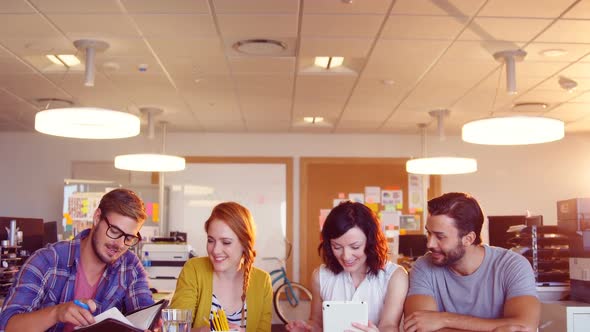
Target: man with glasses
64	284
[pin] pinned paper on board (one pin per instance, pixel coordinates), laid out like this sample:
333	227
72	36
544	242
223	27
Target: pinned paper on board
372	194
393	197
155	212
357	197
409	222
415	192
373	206
322	218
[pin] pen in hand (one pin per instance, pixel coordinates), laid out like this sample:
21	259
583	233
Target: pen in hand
81	304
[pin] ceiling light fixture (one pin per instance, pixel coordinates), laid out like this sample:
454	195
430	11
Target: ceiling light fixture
66	60
509	58
87	123
439	165
313	119
90	47
567	84
553	52
260	46
513	130
328	62
151	162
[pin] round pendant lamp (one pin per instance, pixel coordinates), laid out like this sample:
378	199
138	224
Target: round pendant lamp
151	162
513	130
439	165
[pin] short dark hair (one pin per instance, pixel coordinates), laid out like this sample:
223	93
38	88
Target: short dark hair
341	219
463	209
124	202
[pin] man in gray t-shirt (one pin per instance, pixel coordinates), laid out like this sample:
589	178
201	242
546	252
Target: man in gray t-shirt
464	285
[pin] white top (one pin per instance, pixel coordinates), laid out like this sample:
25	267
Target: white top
340	287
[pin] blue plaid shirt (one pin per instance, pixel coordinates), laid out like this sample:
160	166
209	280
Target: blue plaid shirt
48	279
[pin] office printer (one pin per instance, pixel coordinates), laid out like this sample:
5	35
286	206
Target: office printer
163	262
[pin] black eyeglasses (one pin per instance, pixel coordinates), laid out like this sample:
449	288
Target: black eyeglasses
115	232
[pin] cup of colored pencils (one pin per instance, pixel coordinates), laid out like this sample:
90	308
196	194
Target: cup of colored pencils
219	321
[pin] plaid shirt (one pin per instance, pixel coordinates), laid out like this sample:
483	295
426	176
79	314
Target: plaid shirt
48	278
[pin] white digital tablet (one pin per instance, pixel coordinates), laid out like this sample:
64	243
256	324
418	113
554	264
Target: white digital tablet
338	316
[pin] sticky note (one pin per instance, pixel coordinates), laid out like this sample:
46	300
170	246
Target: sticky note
156	212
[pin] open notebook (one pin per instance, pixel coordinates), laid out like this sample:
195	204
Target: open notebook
139	320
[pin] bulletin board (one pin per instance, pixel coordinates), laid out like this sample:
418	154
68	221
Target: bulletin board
322	179
263	185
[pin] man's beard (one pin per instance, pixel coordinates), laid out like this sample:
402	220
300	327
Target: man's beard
451	257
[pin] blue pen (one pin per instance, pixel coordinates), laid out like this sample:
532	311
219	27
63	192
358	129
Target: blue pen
81	304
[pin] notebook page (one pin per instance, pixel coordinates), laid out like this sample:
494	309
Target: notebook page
143	318
113	313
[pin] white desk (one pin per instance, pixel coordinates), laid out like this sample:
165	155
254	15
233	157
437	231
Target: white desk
565	316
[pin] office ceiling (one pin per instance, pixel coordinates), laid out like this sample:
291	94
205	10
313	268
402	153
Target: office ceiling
402	59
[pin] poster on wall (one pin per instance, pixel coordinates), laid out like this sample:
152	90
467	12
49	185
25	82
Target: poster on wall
393	198
415	193
372	194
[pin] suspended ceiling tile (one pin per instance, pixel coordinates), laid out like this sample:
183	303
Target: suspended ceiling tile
265	86
574	52
323	85
409	118
76	7
10	65
544	96
356	112
94	26
437	7
346	47
538	69
356	126
258	26
262	65
580	126
129	65
195	70
342	7
125	47
423	97
30	87
507	29
369	87
422	27
347	26
478	50
525	8
27	26
176	25
37	46
567	31
328	110
167	7
577	70
15	7
255	6
196	48
569	112
458	73
553	84
274	126
583	97
581	11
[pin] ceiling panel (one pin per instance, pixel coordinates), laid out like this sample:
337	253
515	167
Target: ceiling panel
506	29
569	112
168	6
422	27
429	54
525	8
437	7
567	31
341	25
255	6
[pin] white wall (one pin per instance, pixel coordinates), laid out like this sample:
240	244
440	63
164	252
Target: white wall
510	180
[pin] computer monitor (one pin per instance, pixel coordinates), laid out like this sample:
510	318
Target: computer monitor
412	245
49	232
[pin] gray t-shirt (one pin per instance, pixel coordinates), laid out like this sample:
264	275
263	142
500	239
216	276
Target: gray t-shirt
502	275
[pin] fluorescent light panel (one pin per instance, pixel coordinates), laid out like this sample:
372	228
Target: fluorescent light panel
67	60
328	62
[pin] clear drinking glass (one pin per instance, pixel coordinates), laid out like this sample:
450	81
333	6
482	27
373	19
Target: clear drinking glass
176	320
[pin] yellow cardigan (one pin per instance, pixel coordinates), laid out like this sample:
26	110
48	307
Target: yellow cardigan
194	290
